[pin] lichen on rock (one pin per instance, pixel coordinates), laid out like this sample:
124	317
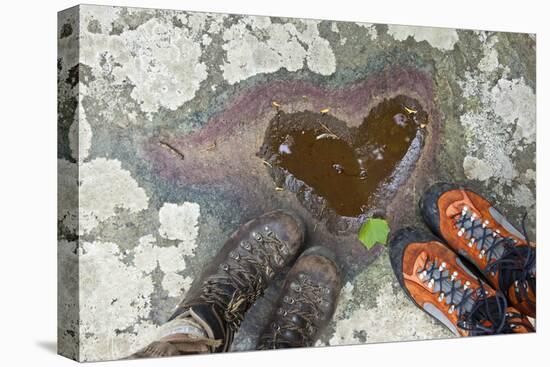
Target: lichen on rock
287	46
180	222
105	187
443	39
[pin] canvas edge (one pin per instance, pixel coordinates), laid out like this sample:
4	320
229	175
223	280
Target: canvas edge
68	310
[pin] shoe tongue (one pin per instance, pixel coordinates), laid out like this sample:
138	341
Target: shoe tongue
211	322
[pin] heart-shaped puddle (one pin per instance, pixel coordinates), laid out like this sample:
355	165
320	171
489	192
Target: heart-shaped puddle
330	166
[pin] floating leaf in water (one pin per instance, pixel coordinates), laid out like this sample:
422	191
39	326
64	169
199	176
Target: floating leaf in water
325	136
410	110
373	231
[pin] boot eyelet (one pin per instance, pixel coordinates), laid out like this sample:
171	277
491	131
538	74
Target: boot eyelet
284	250
224	267
246	245
276	327
288	300
295	287
234	255
257	236
423	274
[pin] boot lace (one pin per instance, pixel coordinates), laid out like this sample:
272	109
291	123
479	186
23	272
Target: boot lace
299	314
515	264
477	313
240	283
488	316
458	295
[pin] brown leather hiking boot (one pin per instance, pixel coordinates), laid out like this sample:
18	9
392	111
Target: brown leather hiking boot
440	284
206	320
306	303
475	229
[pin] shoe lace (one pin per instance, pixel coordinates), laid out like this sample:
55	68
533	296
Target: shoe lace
477	313
460	296
237	286
299	314
515	264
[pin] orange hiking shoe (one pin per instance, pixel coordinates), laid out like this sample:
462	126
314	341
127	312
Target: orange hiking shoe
439	283
475	229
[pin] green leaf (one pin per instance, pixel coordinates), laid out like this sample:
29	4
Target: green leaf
373	231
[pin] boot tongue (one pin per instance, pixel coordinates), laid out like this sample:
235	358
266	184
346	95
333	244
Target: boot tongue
212	324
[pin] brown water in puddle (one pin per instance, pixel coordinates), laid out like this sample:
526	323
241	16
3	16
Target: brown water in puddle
347	166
